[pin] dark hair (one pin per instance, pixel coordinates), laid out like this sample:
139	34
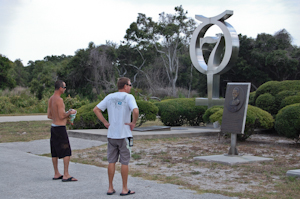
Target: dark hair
58	84
122	81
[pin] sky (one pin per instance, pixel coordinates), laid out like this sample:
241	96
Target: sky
34	29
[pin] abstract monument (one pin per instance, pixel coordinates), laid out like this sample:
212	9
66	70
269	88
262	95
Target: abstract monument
222	57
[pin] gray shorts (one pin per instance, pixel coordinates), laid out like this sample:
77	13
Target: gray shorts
118	148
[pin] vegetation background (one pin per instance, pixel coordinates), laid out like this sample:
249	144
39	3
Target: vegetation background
155	56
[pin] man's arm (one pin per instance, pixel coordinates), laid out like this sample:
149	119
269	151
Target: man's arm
99	114
49	114
62	114
135	116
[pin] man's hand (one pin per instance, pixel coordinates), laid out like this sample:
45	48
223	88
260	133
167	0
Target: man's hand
131	124
106	124
72	111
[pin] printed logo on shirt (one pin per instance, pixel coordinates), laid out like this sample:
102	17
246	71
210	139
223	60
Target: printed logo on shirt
118	102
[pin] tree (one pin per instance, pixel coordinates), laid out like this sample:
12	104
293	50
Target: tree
168	36
6	81
266	58
18	73
103	72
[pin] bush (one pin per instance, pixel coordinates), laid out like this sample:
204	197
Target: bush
288	121
180	111
209	112
6	106
256	118
277	89
290	100
148	111
284	94
251	98
266	102
75	102
86	118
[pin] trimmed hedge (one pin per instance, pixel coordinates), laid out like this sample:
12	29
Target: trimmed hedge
289	101
288	121
256	118
266	102
251	98
148	111
86	118
180	111
209	112
270	94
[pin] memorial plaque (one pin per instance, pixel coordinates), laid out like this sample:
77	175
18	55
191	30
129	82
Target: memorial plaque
235	108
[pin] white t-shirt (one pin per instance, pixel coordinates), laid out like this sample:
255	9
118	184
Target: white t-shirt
119	106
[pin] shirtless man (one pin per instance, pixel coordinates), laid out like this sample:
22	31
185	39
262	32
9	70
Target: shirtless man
59	141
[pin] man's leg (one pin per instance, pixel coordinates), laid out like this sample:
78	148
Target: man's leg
124	174
111	173
66	169
55	166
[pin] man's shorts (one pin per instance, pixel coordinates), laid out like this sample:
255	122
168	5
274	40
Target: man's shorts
59	142
116	148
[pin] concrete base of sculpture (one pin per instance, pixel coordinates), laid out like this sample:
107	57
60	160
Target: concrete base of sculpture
294	173
232	159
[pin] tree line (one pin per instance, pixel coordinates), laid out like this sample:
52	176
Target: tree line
155	56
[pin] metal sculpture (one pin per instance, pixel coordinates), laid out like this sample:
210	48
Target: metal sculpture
222	57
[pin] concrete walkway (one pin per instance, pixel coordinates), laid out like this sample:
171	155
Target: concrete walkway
24	174
23	118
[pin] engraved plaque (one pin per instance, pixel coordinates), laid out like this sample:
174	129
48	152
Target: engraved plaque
235	108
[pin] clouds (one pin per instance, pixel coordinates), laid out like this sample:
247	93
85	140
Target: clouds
33	29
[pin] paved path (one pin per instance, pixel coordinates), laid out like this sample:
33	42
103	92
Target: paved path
26	175
23	118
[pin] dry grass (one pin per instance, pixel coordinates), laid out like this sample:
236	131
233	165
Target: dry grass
24	131
171	161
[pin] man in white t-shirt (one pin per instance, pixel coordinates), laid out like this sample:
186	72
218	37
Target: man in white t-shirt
119	106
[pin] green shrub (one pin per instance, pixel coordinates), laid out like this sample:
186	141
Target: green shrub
6	106
23	100
277	89
284	94
251	98
256	118
86	118
290	100
217	116
209	112
75	102
176	112
287	121
266	102
148	111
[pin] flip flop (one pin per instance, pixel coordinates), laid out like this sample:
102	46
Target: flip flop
111	193
125	194
58	178
68	180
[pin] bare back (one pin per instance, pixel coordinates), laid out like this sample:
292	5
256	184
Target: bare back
56	110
